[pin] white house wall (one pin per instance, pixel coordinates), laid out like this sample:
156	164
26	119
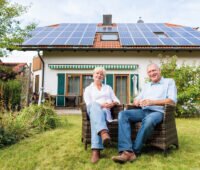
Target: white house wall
108	57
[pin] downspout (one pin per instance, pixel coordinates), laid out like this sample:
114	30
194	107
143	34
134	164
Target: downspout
41	96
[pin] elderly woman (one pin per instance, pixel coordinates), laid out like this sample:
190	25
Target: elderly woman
99	99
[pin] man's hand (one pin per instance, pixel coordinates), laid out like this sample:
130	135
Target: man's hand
136	103
146	102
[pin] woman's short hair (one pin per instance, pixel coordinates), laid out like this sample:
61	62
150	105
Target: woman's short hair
100	69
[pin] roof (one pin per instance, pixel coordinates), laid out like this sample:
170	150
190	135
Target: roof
131	36
16	67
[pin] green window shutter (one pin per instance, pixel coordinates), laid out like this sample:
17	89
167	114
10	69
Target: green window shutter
61	90
131	86
109	79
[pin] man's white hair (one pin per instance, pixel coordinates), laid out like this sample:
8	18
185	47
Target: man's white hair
100	69
153	64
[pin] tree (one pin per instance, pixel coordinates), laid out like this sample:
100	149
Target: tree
11	31
187	78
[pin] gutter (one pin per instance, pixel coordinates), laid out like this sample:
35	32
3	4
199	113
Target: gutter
41	96
110	49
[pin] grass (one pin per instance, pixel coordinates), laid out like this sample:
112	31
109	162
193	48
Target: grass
62	149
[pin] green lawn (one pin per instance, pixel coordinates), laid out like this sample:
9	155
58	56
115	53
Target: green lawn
62	149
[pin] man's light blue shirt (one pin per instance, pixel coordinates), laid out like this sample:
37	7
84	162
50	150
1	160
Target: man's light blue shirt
163	89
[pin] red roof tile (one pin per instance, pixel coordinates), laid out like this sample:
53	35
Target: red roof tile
105	44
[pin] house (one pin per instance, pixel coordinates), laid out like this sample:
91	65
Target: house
17	68
72	50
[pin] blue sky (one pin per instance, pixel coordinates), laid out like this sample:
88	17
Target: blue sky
47	12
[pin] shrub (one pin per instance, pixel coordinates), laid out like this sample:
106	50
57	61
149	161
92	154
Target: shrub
39	118
187	78
31	120
10	95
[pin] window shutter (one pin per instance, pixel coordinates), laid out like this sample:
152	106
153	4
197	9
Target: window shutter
131	86
109	79
61	90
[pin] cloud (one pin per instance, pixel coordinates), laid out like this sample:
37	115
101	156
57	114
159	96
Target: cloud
47	12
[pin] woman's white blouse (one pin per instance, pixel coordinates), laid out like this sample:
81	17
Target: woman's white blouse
105	95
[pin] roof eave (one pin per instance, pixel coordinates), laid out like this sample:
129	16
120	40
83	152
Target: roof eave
145	48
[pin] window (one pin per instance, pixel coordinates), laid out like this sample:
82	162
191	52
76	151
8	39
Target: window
109	37
121	88
161	34
37	84
87	80
73	84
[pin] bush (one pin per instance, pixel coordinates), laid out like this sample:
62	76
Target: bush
39	118
31	120
187	80
10	95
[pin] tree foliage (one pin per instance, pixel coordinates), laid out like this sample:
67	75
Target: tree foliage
11	31
187	78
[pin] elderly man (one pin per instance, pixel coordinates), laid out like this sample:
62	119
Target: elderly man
156	93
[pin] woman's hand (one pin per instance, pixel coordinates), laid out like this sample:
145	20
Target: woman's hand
108	105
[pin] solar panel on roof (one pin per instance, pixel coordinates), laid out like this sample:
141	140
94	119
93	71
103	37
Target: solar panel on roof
126	41
48	28
77	34
142	27
132	27
33	33
195	33
185	34
136	34
168	41
39	28
32	41
59	41
177	29
149	34
165	29
181	41
81	28
129	34
46	41
172	34
153	28
87	41
73	41
54	34
42	34
89	34
194	41
140	41
154	41
59	29
65	34
188	29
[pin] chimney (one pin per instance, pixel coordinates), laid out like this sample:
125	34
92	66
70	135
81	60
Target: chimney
140	20
107	19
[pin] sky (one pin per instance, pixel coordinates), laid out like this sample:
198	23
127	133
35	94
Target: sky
48	12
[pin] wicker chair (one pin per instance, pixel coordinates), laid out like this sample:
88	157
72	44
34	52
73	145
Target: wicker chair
165	133
112	126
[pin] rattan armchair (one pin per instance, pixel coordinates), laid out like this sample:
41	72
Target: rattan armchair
165	133
112	126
